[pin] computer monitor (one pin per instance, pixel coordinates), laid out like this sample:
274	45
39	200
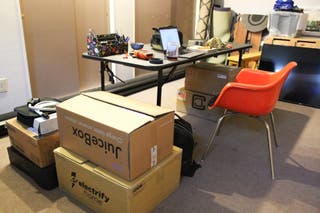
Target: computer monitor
303	83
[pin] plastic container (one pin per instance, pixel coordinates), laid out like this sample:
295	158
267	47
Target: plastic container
283	23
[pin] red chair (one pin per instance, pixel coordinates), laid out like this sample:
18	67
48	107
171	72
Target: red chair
254	93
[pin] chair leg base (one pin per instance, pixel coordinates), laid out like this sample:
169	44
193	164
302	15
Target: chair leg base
269	147
213	135
219	124
274	129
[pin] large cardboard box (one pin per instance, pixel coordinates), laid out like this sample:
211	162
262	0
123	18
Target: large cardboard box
209	78
105	192
120	134
38	149
196	103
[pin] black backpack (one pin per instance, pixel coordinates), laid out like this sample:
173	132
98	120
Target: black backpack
183	138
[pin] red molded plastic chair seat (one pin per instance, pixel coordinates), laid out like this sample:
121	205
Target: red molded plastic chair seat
254	93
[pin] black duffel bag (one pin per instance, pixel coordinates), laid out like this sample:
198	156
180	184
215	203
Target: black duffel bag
183	138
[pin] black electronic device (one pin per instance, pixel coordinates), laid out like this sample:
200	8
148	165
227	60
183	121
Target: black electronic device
156	61
303	83
46	177
35	108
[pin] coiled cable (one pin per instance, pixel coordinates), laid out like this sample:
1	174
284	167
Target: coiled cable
42	108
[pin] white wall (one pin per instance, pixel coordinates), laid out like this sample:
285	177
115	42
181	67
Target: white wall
123	22
264	7
12	57
13	62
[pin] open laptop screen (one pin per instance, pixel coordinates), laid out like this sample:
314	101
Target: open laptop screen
169	35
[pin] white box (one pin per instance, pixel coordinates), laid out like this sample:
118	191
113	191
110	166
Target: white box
44	126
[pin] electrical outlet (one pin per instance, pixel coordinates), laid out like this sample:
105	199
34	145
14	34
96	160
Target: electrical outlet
3	85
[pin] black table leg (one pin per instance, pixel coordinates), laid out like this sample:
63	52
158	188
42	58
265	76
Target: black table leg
240	58
160	83
112	76
102	69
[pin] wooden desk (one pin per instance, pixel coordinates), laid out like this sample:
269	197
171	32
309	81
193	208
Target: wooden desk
138	63
304	41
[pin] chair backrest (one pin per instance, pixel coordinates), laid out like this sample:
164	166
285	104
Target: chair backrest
277	82
280	77
254	98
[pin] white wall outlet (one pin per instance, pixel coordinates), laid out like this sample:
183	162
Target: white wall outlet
3	85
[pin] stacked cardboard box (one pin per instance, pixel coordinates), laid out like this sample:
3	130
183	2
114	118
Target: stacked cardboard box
116	153
33	154
203	81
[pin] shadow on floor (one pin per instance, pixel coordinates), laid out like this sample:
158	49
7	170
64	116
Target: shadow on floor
238	168
37	199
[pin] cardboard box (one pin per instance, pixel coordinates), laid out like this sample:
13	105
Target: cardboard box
120	134
46	177
195	103
209	78
105	192
38	149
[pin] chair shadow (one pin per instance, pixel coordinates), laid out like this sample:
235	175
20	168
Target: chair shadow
239	162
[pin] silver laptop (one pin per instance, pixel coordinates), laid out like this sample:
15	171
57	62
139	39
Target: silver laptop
172	35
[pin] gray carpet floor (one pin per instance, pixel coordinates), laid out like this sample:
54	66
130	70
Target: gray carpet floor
235	177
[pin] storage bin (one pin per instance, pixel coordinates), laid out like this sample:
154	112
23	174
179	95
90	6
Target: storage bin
283	23
106	44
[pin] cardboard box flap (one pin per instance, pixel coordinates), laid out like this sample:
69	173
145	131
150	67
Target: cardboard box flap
102	112
14	123
70	155
65	153
130	185
211	66
138	106
137	183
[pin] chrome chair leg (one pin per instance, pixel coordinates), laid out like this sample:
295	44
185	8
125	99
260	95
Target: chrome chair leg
224	113
270	147
213	135
274	129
